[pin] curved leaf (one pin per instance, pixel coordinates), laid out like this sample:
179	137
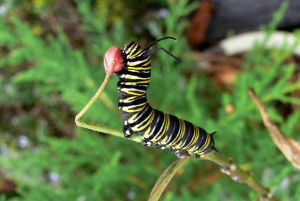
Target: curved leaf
165	178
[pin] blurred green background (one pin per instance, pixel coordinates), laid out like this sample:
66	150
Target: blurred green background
51	64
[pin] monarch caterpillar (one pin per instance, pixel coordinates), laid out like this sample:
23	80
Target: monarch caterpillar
155	127
132	65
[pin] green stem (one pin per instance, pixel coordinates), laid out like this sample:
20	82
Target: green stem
106	130
239	174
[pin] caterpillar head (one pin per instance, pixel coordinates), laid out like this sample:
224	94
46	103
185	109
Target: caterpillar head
113	60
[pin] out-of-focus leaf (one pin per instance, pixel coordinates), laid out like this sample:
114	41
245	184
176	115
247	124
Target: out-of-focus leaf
289	148
165	178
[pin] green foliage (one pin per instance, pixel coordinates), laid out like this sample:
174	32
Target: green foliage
98	167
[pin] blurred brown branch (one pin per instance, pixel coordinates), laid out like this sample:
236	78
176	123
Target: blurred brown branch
289	148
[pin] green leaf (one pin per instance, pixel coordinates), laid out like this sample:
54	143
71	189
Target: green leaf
165	178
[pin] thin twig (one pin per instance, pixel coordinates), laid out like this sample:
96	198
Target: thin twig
288	146
238	174
107	130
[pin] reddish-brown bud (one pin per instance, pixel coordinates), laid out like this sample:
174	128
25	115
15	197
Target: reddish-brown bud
113	60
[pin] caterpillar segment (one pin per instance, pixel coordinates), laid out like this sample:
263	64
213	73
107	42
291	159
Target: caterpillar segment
155	127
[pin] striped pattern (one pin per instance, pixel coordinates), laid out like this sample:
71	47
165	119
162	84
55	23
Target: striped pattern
155	127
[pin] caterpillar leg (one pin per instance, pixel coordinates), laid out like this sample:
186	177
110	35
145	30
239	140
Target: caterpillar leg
197	155
127	131
147	143
150	144
182	154
159	146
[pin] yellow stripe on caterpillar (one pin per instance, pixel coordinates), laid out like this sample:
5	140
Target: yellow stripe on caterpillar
181	133
147	63
138	52
137	82
136	77
165	127
138	128
146	135
155	138
129	110
129	49
139	68
195	137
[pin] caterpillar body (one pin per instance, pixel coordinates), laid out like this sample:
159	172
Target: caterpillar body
155	127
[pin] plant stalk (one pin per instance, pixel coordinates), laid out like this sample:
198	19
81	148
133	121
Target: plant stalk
238	174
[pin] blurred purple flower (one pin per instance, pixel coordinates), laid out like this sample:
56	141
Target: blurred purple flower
15	120
23	141
3	150
3	9
53	177
81	198
130	195
163	12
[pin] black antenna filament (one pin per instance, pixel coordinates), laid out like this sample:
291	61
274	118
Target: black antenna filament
149	51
